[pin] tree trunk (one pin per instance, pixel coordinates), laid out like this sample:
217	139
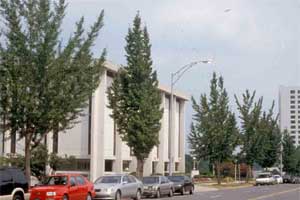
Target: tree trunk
218	172
140	168
27	158
249	173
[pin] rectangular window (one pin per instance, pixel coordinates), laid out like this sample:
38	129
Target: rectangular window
293	116
166	166
292	91
292	102
293	132
176	166
293	127
154	164
293	122
292	97
292	107
125	166
292	112
108	165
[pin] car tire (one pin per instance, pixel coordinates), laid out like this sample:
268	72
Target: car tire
138	195
18	197
157	195
118	195
89	196
65	197
171	192
192	191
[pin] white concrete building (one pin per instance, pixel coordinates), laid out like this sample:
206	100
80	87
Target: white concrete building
289	110
99	149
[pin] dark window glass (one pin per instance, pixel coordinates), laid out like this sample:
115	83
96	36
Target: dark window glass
108	165
292	97
292	127
292	102
72	180
5	176
80	180
292	91
292	107
292	111
126	179
293	122
132	179
18	176
56	180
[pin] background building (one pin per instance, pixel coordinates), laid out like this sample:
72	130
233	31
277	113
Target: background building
99	149
289	110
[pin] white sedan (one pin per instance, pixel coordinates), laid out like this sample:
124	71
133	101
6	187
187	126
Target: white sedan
278	179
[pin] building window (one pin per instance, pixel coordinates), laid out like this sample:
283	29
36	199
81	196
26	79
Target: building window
292	107
108	165
292	112
293	122
292	91
166	166
176	166
292	97
154	164
293	127
125	166
292	102
293	132
298	91
293	116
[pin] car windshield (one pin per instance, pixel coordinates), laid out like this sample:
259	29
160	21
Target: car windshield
263	176
150	180
109	179
56	180
176	178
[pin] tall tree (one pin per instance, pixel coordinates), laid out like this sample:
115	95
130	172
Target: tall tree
270	139
250	112
45	83
134	97
289	158
214	134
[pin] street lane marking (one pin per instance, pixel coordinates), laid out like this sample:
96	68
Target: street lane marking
274	194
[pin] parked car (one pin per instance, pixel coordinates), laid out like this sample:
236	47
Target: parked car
117	187
278	179
157	186
182	184
265	179
13	184
296	179
64	187
287	178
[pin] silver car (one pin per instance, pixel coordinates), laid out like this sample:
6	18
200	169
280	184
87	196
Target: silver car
117	187
157	186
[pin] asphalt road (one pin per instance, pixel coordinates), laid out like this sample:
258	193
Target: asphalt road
275	192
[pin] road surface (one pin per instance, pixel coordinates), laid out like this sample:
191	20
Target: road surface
274	192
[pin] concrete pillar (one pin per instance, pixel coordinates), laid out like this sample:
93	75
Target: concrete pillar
119	161
171	135
162	143
182	137
97	130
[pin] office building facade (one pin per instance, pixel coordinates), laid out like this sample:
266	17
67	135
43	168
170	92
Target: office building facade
289	111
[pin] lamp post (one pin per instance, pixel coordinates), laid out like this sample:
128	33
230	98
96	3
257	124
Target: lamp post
174	78
194	163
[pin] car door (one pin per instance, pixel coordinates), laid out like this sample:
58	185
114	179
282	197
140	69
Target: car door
6	182
125	187
164	185
74	193
82	187
187	183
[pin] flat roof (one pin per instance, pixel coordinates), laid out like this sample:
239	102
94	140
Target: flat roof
166	89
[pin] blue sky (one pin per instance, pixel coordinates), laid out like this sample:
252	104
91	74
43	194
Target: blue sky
255	44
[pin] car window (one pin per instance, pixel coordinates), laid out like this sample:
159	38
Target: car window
176	178
56	180
108	179
150	180
80	180
18	175
126	179
164	180
72	180
132	179
5	176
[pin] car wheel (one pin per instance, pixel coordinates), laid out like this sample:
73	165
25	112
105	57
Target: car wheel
157	193
138	195
65	197
170	192
118	195
17	197
192	191
88	197
182	191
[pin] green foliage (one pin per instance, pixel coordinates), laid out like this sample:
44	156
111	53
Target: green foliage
39	160
214	134
134	97
269	133
291	155
250	112
65	163
45	83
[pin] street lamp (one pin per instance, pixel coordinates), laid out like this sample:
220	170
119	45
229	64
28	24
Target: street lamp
174	78
194	163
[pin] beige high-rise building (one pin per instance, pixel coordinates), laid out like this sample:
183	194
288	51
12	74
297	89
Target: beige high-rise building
289	110
99	149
